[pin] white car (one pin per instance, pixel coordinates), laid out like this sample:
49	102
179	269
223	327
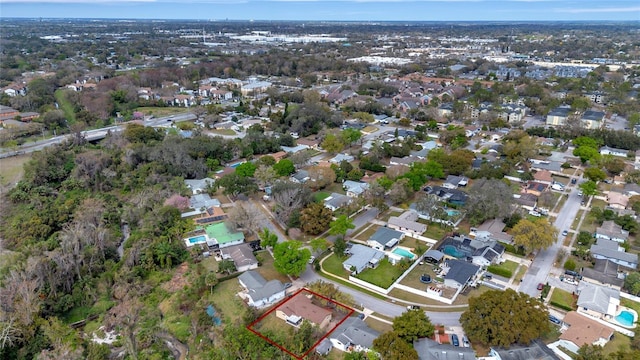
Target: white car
312	259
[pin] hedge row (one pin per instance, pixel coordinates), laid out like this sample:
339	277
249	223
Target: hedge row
561	306
500	271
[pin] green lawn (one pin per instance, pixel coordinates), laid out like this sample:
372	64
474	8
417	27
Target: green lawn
160	111
65	105
378	325
225	301
521	273
318	196
562	297
267	270
223	132
383	276
12	168
618	342
630	304
333	265
434	231
365	235
509	265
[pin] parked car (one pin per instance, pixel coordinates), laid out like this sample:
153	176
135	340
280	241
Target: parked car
565	233
540	286
312	259
465	341
555	320
574	181
454	340
413	307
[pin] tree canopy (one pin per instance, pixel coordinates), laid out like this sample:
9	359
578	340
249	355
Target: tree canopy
488	199
534	235
341	225
504	318
290	258
412	325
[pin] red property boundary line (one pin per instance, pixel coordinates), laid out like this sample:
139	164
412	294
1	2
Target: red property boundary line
299	357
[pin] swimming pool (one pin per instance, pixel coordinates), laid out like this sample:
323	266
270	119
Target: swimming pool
452	212
197	240
404	253
625	318
452	251
236	164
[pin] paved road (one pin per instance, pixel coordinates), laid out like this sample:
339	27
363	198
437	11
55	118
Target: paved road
541	268
381	306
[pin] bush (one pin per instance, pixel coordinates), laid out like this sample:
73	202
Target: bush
570	265
518	250
561	306
566	165
499	271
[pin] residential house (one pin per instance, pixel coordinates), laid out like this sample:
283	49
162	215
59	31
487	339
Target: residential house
340	158
617	200
592	119
241	255
604	273
426	147
209	215
362	257
404	161
535	188
219	236
353	335
300	177
610	250
385	239
428	349
558	116
452	196
310	143
294	149
354	188
632	189
492	230
433	256
545	165
482	251
598	301
407	223
203	201
527	201
301	307
198	186
582	330
459	273
453	182
336	201
259	292
543	176
445	110
605	150
254	87
609	230
537	350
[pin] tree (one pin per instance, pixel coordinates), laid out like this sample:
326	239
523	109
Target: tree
340	226
211	280
586	153
503	318
284	167
412	325
321	176
246	169
391	346
350	136
242	217
319	245
570	265
374	195
234	185
289	258
488	199
400	191
590	352
332	143
267	238
265	175
614	165
595	174
534	235
632	282
589	188
290	198
339	246
315	218
226	266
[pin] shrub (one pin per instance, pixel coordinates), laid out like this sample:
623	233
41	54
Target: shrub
499	271
570	265
566	165
561	306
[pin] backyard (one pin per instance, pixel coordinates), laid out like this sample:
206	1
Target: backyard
383	276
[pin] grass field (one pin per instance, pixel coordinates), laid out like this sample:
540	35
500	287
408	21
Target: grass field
562	297
12	169
228	132
333	265
224	300
318	196
160	111
65	105
267	270
509	265
383	276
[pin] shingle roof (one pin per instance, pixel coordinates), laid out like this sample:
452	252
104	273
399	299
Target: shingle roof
360	256
428	349
460	271
597	298
385	236
356	332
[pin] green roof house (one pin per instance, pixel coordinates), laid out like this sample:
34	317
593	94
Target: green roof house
219	236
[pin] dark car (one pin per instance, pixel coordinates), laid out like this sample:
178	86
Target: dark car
454	340
555	320
540	286
574	180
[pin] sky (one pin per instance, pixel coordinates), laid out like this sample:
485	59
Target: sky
336	10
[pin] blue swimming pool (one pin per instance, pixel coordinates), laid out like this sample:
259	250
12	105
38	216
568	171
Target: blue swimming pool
197	240
404	253
452	212
452	251
625	318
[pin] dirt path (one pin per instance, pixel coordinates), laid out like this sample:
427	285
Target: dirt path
178	349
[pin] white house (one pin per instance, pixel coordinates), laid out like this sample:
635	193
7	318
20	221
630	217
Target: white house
605	150
353	335
407	223
354	188
260	292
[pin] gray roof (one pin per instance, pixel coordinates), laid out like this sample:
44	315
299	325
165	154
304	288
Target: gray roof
195	184
434	254
356	332
241	254
386	237
429	350
560	111
537	350
604	271
340	157
593	115
356	187
301	175
407	224
614	254
258	288
612	230
324	347
200	201
337	200
594	297
361	256
461	271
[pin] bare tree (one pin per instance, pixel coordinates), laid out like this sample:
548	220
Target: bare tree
244	217
289	197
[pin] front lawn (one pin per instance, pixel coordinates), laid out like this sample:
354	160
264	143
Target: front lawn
563	299
333	265
319	196
383	276
267	270
228	132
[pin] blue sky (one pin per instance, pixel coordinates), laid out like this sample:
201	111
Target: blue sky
389	10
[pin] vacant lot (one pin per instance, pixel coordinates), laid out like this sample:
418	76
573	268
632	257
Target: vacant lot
12	169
